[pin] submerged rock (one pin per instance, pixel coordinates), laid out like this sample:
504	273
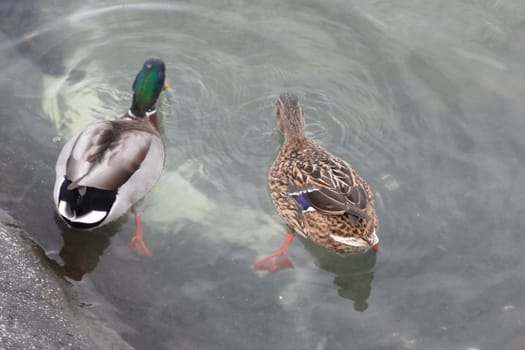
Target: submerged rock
37	309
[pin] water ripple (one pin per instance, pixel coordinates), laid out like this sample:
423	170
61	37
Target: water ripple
219	119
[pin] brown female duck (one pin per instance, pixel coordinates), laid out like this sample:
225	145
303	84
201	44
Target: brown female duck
318	195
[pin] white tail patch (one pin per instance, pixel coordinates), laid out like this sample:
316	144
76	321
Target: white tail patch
357	241
351	241
374	239
92	217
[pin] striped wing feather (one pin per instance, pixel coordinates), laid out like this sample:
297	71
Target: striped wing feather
336	190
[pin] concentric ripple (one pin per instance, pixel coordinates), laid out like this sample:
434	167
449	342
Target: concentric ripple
422	97
226	68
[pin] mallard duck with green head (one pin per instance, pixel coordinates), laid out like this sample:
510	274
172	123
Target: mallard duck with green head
318	195
108	167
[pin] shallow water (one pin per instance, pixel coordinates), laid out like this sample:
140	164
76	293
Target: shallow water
422	97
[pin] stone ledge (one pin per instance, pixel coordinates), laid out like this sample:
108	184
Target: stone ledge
37	306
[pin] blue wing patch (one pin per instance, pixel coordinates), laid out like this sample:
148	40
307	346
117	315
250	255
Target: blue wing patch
302	200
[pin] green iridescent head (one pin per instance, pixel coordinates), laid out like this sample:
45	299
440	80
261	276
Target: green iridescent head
147	86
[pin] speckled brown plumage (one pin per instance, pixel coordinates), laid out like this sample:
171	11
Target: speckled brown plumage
340	214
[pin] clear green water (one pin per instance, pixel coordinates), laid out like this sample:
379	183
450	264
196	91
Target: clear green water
423	97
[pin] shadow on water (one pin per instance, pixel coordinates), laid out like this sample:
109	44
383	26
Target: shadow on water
81	250
353	272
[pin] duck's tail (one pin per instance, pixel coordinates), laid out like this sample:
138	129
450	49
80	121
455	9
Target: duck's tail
84	207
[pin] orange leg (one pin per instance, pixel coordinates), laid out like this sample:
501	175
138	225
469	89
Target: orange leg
137	243
278	260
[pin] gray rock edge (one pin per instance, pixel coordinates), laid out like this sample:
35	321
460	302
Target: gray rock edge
39	309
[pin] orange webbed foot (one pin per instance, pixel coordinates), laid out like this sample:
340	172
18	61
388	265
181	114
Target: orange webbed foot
278	260
139	247
137	244
274	262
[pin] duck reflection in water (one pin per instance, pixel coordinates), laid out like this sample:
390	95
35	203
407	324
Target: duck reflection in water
353	272
81	252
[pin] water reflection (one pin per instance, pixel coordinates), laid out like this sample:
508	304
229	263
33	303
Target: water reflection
82	250
353	272
423	97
